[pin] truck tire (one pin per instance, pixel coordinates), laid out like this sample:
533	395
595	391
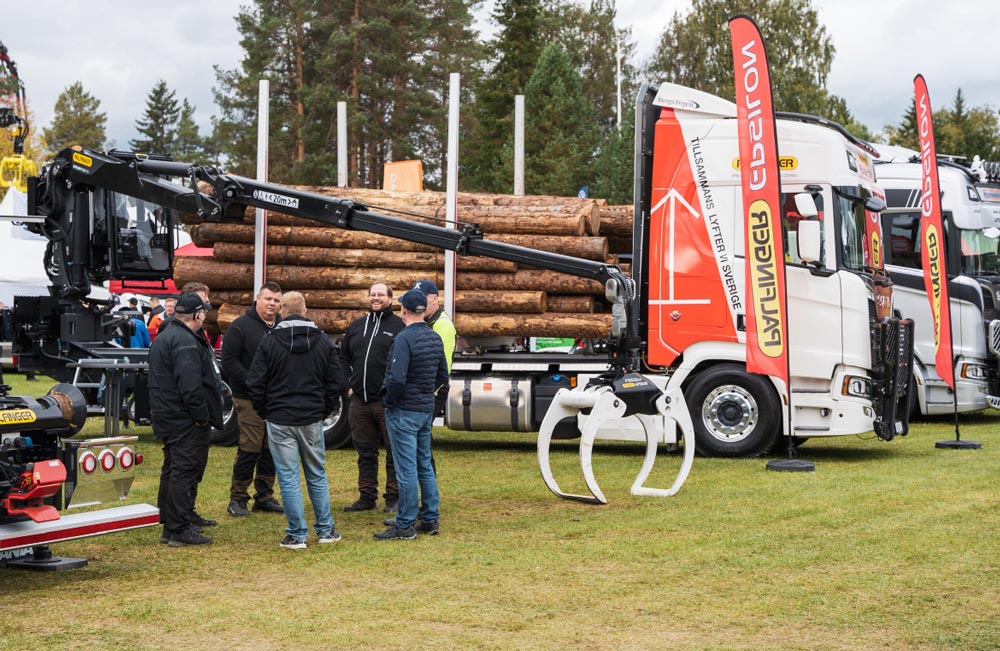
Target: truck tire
735	413
336	427
229	434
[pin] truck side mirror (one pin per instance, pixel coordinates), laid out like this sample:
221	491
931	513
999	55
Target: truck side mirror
809	240
805	205
875	204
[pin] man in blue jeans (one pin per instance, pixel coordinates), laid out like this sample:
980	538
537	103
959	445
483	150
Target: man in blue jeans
294	381
417	368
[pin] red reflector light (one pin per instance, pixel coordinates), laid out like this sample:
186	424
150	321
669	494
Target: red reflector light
139	458
125	458
88	463
107	460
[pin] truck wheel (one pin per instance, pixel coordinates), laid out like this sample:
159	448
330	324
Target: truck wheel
336	428
229	434
912	402
735	413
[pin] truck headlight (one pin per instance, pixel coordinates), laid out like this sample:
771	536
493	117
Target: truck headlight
975	372
857	386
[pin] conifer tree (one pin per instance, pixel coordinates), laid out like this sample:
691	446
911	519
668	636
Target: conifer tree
561	134
157	127
77	120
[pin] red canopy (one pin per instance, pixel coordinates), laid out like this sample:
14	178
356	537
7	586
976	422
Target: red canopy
155	287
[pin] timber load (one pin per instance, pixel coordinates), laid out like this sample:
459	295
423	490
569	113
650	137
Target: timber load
333	267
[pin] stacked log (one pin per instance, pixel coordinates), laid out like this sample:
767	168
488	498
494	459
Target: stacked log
334	268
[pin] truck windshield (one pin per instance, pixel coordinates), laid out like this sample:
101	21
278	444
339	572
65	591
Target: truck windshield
979	252
851	214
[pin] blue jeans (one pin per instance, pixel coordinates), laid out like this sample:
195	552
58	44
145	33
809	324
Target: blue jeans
288	443
410	435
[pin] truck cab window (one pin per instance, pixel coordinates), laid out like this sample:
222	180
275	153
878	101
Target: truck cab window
790	220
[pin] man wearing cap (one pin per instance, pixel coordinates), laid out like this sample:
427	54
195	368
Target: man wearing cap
441	323
185	398
417	368
365	351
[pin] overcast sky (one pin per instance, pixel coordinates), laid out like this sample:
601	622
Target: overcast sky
119	49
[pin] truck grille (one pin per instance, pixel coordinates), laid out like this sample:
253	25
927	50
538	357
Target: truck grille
993	337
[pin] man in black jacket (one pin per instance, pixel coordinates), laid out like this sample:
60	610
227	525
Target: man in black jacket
365	350
238	349
295	380
185	395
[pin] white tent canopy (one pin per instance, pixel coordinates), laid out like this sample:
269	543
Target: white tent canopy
22	254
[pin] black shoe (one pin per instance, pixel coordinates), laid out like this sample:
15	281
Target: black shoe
199	521
395	533
270	505
189	536
361	505
237	508
431	528
292	543
165	537
391	505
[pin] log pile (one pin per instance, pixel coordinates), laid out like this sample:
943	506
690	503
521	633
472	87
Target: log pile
334	268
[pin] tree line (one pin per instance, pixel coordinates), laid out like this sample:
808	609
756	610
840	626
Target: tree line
390	62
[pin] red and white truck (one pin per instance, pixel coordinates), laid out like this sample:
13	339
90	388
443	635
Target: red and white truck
849	354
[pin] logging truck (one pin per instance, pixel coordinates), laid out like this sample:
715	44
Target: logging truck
679	318
849	354
971	237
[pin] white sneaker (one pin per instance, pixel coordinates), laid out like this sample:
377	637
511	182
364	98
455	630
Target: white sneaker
332	538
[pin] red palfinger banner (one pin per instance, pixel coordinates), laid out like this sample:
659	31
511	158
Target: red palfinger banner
766	308
932	236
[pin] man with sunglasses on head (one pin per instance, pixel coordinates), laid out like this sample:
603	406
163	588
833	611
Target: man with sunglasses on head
185	398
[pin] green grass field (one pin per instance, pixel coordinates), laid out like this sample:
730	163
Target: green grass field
886	546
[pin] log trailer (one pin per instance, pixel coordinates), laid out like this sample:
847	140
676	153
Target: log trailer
679	320
971	240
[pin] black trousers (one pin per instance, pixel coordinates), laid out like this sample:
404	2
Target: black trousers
367	420
185	456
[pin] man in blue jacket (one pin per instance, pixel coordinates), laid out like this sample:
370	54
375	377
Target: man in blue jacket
417	368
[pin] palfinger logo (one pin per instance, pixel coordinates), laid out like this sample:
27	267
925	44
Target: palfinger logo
17	416
932	245
764	278
876	250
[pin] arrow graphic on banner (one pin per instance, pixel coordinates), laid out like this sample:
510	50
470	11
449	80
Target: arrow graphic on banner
673	197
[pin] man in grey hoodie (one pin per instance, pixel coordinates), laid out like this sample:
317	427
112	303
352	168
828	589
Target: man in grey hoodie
294	364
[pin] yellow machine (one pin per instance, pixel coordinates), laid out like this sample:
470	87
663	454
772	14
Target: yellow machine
16	168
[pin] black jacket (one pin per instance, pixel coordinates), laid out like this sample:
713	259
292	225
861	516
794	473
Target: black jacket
239	346
184	387
296	376
365	350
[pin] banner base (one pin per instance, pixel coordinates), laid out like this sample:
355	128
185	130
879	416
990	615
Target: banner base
956	444
791	465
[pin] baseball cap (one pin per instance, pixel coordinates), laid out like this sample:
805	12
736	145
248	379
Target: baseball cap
414	301
426	286
190	303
